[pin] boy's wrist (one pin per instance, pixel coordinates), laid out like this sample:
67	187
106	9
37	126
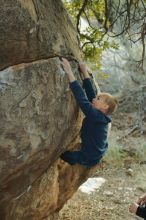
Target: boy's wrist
71	77
86	75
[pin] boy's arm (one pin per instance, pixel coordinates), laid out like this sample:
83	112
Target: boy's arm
86	107
79	95
81	98
76	88
88	86
90	90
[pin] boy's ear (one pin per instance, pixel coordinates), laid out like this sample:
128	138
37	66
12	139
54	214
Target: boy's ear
106	106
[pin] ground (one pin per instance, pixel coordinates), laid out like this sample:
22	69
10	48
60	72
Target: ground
123	168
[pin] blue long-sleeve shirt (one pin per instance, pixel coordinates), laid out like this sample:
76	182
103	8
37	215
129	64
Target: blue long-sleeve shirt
94	128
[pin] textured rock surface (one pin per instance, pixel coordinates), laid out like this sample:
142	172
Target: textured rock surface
39	116
36	114
32	30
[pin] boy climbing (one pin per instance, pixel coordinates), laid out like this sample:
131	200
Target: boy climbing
94	128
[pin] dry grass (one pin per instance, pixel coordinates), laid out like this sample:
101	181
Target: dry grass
125	172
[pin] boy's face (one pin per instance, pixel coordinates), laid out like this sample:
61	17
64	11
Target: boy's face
100	103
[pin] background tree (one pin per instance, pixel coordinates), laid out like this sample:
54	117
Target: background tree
108	18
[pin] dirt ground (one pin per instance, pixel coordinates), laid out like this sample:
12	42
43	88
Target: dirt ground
123	168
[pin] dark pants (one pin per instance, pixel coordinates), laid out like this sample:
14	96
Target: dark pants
145	209
77	157
141	211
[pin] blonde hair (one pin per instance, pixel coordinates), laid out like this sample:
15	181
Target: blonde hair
111	101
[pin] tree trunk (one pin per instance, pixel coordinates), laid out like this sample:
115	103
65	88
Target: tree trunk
39	116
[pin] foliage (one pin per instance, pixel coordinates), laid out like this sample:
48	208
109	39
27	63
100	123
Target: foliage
105	19
116	154
91	37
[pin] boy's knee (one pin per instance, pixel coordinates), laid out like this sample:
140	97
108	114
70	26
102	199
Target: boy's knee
70	157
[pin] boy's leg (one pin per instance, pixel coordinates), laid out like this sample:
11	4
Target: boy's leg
71	157
77	157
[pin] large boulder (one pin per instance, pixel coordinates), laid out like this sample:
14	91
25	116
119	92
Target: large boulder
34	30
39	116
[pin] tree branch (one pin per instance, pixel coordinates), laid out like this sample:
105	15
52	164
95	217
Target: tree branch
80	13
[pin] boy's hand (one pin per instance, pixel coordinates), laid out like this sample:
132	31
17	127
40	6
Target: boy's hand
66	66
133	208
84	69
68	70
142	200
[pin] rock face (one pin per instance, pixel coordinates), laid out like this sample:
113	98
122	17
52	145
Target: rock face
34	30
39	116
